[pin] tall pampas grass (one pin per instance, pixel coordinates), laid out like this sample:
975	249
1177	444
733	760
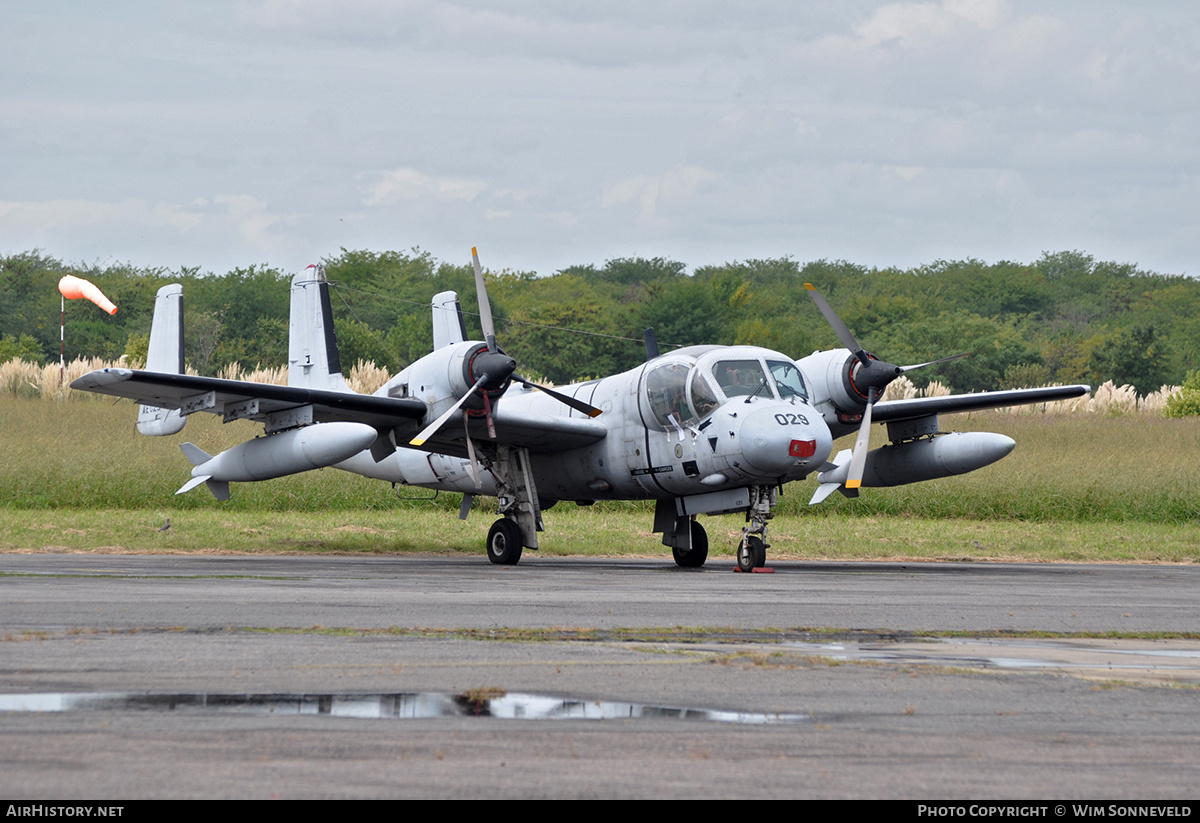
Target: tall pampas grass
367	378
1108	399
21	378
1156	402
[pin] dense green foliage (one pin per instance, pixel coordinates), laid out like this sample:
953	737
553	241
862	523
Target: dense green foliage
1064	318
1186	402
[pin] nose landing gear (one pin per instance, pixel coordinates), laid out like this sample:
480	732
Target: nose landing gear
752	551
751	554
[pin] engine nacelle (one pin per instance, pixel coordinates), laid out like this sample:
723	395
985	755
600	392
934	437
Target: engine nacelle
469	362
831	389
945	455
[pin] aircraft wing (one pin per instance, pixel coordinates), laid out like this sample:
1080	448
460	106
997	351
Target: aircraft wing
241	398
544	432
890	411
540	433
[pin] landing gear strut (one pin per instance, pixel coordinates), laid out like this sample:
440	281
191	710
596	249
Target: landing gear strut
752	551
522	518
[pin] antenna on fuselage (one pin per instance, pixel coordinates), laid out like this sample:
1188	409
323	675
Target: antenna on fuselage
651	344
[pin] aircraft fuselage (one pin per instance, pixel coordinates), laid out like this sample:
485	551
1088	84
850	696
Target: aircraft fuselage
673	430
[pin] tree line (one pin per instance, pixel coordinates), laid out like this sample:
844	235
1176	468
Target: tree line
1065	318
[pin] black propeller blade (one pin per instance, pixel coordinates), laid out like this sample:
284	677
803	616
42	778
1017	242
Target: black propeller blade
839	328
577	405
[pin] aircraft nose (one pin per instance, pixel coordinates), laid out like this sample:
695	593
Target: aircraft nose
785	440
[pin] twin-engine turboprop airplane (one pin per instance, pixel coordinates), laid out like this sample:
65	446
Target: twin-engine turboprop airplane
701	430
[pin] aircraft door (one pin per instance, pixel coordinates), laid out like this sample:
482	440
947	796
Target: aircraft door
669	449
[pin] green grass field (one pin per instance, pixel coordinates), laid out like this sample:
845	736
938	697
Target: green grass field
76	477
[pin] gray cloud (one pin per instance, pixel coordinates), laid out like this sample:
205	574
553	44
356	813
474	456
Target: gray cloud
225	134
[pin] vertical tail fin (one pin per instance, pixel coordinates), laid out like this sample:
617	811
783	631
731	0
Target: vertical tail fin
313	360
164	355
448	325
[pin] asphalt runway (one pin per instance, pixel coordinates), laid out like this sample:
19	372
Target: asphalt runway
258	677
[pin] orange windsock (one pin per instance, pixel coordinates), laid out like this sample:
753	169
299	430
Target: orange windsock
74	288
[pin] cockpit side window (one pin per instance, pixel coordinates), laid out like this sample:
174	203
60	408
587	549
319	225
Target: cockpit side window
788	379
666	389
738	378
704	399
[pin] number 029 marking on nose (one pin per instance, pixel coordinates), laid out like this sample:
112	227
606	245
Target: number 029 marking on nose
790	419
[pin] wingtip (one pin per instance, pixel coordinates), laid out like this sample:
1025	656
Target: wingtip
810	287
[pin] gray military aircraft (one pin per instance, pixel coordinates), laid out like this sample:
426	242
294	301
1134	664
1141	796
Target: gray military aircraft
700	430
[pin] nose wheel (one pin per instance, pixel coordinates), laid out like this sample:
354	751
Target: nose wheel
752	553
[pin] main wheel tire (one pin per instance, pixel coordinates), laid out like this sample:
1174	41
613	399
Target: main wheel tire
752	554
694	557
504	542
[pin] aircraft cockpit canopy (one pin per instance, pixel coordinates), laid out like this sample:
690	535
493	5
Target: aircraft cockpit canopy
749	378
685	389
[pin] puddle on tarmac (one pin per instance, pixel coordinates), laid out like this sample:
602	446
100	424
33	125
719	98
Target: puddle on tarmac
1179	661
404	706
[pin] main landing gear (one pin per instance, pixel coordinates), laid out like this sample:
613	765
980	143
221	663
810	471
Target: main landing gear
693	557
751	553
686	537
689	542
504	542
522	518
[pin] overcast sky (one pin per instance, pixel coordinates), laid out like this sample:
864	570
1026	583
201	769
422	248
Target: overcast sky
224	134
